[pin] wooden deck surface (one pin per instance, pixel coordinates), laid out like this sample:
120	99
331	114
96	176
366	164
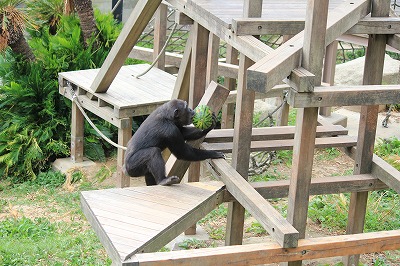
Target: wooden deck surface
141	219
226	10
127	93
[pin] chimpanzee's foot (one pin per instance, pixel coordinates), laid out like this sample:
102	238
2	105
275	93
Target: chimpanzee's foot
170	181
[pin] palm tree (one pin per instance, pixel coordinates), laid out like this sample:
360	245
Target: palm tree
47	12
13	21
85	12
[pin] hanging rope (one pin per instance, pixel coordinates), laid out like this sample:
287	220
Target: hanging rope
76	100
388	114
161	52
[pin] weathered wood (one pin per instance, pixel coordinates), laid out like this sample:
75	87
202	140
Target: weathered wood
301	80
124	135
386	173
273	133
346	96
160	35
373	71
319	247
212	58
287	26
182	84
306	121
242	134
133	27
285	144
262	210
376	25
259	26
277	65
328	73
214	97
77	134
228	110
124	218
321	186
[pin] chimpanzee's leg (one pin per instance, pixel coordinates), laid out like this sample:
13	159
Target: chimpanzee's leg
156	167
150	181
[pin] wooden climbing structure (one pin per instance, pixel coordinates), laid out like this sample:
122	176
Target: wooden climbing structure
132	223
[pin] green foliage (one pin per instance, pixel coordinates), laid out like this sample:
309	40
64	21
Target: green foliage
50	179
256	228
193	243
36	118
389	150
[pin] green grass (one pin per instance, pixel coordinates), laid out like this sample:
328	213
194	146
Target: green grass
45	225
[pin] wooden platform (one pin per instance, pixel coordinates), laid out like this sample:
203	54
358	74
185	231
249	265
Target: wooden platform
126	97
144	219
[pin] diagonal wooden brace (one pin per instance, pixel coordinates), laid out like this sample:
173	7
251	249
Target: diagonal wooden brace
214	97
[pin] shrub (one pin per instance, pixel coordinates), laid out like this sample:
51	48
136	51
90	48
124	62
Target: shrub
36	118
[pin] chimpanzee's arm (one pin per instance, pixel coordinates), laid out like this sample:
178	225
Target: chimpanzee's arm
192	133
184	151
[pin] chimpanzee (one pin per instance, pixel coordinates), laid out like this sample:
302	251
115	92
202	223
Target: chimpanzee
166	127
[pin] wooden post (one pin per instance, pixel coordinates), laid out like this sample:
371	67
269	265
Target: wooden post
306	123
242	134
197	87
228	110
124	135
373	69
212	58
328	75
77	134
160	32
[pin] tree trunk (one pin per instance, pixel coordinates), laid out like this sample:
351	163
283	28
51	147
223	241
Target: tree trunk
21	47
86	16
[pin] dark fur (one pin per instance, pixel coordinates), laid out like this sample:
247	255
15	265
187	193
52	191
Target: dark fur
166	127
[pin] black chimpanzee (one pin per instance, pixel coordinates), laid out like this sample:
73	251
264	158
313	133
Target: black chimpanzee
166	127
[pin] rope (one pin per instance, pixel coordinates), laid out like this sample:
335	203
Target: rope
76	100
161	52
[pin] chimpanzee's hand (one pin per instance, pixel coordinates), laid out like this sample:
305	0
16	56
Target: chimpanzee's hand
214	123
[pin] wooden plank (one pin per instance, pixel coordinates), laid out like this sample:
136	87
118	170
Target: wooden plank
273	133
224	69
160	35
285	144
287	26
319	247
77	134
124	135
301	80
277	65
386	173
133	27
346	96
228	110
262	210
259	26
250	46
376	25
373	71
321	186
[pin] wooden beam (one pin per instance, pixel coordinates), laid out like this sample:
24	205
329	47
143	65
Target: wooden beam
376	25
131	32
277	65
285	144
322	186
252	254
301	80
273	133
262	210
386	173
248	45
346	96
284	26
373	72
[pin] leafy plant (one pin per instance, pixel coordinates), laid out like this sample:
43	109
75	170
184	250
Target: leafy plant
195	244
36	128
256	228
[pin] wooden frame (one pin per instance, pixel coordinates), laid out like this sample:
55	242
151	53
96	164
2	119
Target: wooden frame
261	69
